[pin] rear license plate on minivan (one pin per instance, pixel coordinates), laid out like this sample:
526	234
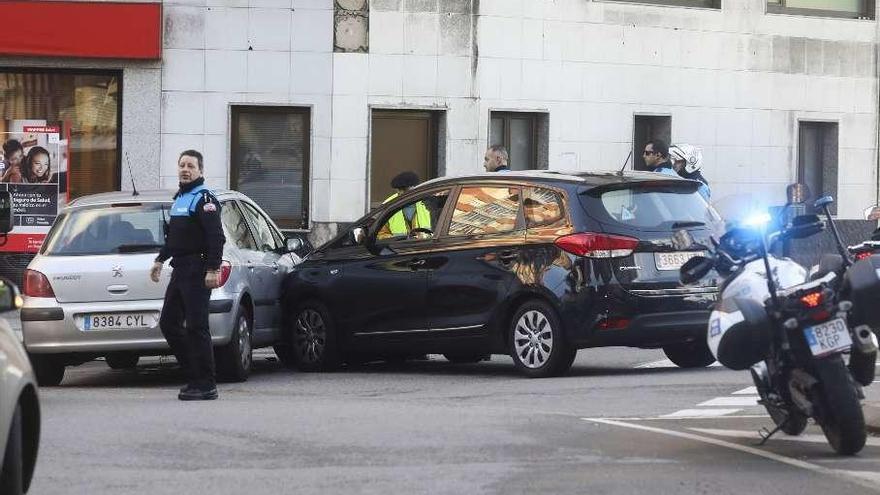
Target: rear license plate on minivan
117	321
828	337
673	261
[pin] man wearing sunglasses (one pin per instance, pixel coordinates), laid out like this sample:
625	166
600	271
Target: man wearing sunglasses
656	157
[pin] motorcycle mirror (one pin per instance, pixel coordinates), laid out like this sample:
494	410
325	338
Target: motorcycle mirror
872	213
823	202
695	269
803	226
797	193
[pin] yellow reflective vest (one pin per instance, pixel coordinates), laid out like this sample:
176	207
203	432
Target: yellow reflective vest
397	224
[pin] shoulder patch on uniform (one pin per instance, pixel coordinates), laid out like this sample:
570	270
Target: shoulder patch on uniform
209	207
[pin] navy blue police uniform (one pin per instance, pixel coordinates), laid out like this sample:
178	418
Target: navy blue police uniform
194	242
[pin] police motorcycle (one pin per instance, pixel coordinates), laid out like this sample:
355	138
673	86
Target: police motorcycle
867	248
794	333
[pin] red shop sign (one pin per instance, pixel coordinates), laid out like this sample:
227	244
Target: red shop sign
81	29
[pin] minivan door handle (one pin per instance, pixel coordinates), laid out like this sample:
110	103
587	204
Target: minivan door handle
250	264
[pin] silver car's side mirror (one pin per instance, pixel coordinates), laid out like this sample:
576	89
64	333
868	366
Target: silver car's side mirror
872	212
293	244
10	298
358	235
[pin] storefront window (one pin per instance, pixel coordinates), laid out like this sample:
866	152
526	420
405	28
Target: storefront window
84	106
59	139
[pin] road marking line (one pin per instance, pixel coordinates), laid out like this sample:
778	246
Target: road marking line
666	363
852	478
701	413
730	401
747	391
808	438
668	418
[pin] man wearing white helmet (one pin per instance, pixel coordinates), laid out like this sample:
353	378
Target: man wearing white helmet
687	161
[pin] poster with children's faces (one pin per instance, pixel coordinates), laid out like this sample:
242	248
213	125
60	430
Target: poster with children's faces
33	167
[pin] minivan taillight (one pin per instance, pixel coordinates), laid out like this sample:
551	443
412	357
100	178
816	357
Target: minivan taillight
593	245
225	271
37	285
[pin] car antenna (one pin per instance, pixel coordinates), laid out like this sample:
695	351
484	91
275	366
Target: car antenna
620	172
134	189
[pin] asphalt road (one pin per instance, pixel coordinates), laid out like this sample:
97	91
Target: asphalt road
623	422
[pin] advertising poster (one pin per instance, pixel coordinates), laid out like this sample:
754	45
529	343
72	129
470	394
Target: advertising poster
33	167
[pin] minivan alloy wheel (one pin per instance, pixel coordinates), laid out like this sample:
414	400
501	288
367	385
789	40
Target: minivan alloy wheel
244	342
310	334
533	339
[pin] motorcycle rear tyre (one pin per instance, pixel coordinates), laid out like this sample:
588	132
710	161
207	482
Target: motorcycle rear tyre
842	418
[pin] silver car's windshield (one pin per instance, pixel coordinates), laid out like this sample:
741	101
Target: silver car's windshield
107	229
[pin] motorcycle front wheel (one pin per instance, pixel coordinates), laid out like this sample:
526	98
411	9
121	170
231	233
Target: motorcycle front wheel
841	418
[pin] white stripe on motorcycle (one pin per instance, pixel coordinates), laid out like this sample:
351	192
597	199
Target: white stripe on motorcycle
854	477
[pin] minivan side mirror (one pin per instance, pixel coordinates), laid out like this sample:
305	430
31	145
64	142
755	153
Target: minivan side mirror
10	297
358	235
292	244
6	219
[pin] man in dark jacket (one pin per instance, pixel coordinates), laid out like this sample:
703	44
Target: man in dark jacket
194	243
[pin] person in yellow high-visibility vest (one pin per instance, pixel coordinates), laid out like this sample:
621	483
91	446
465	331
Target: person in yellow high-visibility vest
410	217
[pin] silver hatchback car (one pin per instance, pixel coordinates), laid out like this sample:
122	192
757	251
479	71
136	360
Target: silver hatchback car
88	292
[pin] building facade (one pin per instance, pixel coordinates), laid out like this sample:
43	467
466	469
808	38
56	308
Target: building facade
311	106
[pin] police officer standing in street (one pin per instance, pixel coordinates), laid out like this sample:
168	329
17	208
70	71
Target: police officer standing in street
194	243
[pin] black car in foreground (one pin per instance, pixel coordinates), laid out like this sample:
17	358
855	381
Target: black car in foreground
535	265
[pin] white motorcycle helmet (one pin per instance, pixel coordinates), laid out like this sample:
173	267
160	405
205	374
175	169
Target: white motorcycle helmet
690	154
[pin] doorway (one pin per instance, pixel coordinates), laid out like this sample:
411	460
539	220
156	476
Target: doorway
817	159
402	140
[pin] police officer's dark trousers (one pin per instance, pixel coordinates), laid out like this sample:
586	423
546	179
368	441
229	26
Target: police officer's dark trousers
186	300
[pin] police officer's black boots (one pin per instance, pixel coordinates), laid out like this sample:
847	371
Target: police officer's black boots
196	393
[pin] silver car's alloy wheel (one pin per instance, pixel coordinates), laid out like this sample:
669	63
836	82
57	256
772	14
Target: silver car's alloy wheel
533	339
244	342
310	336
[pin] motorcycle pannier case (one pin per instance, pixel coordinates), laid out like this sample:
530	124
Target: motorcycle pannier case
741	338
864	286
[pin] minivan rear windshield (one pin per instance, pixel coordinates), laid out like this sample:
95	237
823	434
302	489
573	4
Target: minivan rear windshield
107	229
658	207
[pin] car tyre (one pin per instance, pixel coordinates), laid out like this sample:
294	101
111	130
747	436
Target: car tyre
122	361
49	369
313	338
12	471
235	359
536	341
690	354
